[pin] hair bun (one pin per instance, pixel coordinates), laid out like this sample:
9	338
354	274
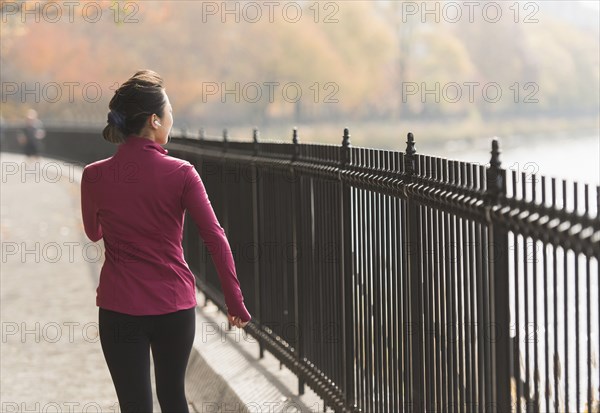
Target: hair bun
141	96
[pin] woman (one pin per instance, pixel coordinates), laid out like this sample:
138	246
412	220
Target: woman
146	295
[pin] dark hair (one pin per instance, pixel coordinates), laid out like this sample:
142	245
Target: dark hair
136	99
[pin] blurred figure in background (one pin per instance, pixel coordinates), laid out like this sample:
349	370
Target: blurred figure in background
31	135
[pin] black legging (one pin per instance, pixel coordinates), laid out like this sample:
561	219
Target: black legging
126	341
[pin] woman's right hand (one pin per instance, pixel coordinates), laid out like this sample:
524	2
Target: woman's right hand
236	321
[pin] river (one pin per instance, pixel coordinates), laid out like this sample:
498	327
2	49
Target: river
574	159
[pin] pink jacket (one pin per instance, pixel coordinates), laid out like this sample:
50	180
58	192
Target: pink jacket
136	201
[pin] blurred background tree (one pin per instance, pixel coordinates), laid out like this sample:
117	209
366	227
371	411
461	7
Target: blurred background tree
352	62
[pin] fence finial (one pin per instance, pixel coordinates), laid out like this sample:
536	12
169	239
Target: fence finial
410	144
345	158
296	148
346	138
409	155
495	161
496	185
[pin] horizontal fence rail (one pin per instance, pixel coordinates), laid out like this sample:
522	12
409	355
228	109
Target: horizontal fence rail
399	282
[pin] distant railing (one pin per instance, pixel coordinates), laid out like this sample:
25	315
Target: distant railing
400	282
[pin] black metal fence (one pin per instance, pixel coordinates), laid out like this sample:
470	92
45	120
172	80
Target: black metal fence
399	282
392	281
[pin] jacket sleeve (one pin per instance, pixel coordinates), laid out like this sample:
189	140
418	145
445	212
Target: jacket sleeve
89	209
195	200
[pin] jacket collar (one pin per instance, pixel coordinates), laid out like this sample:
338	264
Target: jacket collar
143	143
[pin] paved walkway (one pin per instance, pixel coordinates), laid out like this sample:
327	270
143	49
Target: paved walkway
50	354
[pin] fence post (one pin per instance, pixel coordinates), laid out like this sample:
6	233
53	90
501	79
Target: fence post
256	239
347	274
203	251
412	228
296	226
224	183
499	296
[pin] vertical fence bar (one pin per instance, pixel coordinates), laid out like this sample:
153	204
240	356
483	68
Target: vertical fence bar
500	308
429	323
258	216
547	388
224	184
369	290
536	367
296	227
376	283
526	325
363	254
387	284
478	265
347	274
447	227
517	287
576	257
472	248
555	360
395	390
566	301
588	291
255	236
413	226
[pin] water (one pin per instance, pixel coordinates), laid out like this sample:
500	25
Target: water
574	160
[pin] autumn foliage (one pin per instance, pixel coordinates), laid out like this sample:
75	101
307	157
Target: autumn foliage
340	60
